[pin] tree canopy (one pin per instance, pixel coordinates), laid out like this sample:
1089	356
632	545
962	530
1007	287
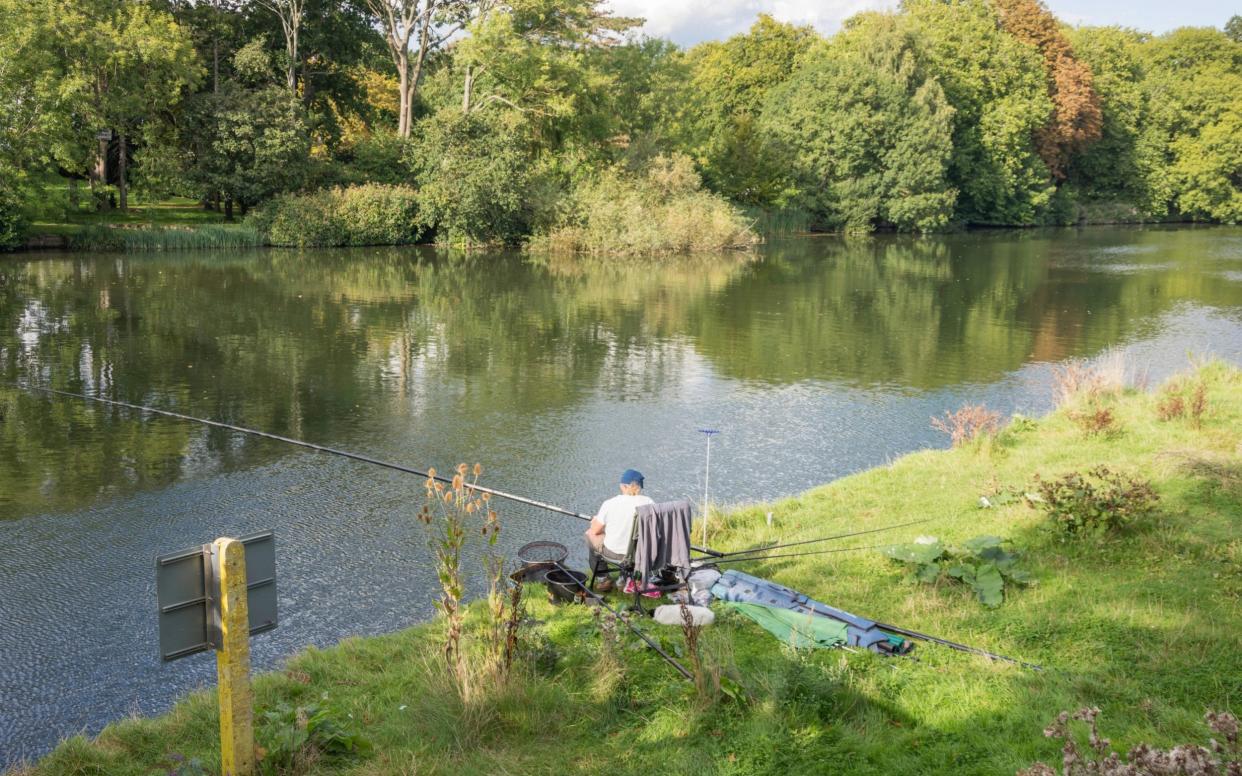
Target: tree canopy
939	114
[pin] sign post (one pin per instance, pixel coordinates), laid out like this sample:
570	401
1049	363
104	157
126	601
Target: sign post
228	558
216	596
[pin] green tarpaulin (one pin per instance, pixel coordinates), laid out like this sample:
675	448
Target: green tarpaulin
800	630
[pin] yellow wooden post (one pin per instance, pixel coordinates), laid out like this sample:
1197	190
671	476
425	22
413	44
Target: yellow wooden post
233	661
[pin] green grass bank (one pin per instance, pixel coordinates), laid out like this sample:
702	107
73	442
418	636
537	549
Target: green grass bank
1145	623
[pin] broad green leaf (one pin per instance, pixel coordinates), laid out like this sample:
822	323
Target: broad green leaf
989	585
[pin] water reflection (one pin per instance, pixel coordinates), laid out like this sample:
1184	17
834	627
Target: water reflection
340	345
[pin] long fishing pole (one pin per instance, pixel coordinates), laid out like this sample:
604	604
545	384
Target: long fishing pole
714	562
659	650
826	538
324	449
954	645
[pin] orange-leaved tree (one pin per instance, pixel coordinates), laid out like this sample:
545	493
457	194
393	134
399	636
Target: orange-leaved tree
1076	121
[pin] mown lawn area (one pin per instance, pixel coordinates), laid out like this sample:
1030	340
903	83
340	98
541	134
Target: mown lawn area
1145	623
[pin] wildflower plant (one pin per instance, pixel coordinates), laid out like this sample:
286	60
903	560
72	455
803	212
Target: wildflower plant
452	514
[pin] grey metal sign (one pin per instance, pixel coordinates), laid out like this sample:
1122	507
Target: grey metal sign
185	589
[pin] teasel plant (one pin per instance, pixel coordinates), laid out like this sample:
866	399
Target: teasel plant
449	514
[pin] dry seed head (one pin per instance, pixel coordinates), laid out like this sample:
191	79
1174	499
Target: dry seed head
457	482
431	473
462	469
478	469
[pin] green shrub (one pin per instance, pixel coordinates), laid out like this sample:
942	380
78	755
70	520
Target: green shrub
473	174
981	563
370	214
664	209
12	220
1099	502
294	738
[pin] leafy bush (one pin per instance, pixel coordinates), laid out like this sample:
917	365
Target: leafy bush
473	174
663	209
966	423
291	739
1098	502
12	221
1218	758
982	563
370	214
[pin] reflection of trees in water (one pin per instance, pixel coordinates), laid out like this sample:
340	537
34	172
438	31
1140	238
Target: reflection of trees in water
321	344
929	313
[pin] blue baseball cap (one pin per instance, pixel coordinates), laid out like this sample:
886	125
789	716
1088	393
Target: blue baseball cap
632	477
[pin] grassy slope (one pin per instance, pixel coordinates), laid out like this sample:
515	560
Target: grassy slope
1148	626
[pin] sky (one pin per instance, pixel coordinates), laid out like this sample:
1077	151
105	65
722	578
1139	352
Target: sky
692	21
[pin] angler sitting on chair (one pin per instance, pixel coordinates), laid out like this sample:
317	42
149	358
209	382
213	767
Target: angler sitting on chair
612	528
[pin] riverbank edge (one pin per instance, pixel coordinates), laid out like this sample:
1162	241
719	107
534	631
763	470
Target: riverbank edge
374	681
82	238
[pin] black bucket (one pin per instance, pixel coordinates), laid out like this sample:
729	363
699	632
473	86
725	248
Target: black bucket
565	585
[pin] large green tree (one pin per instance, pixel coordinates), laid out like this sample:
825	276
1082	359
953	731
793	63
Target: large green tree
1194	136
869	130
1114	167
997	88
248	141
723	99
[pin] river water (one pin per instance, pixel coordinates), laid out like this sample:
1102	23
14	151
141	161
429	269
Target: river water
813	357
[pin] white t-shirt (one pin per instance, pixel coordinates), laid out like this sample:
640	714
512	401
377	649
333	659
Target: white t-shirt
617	515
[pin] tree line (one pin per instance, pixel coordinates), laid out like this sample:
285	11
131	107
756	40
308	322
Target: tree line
502	116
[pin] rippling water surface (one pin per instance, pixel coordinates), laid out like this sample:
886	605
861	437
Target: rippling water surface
815	358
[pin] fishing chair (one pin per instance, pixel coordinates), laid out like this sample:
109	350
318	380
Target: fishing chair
665	580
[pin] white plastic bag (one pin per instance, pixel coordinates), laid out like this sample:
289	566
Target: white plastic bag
671	615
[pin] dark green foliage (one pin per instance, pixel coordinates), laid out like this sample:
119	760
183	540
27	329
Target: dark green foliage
370	214
473	174
249	145
12	221
376	158
997	90
291	738
868	132
982	563
1097	503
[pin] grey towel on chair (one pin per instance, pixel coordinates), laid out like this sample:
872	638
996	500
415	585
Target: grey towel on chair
663	538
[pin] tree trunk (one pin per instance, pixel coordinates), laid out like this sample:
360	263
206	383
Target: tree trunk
403	86
122	165
228	209
100	175
73	193
215	65
467	89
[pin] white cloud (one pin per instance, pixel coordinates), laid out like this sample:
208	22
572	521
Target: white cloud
692	21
